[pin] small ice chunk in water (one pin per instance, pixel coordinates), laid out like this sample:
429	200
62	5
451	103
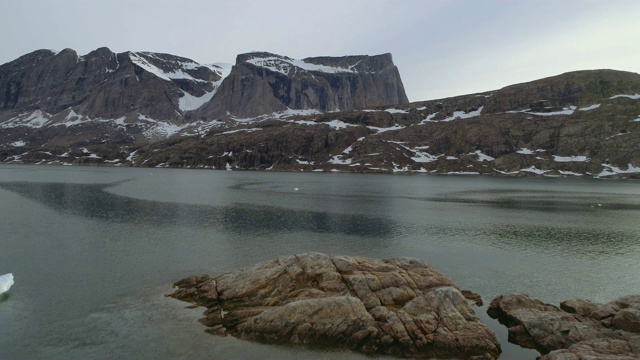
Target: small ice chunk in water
6	281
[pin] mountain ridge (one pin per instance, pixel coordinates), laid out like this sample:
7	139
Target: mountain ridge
581	123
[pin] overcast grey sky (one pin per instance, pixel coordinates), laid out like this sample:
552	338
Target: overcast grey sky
442	47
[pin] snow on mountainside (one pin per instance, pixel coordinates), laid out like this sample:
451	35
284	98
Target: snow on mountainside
272	112
138	97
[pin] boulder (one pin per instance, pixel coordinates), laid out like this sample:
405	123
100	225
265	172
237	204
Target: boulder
579	329
401	307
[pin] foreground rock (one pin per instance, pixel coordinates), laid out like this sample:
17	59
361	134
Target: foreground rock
401	307
578	330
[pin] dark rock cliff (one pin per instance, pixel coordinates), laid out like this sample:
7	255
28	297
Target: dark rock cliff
263	83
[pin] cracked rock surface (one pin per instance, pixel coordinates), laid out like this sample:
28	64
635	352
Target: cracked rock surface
401	307
577	330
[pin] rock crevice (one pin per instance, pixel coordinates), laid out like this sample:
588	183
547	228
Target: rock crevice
401	307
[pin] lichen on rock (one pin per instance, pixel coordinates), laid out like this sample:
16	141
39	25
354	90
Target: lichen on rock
401	307
579	329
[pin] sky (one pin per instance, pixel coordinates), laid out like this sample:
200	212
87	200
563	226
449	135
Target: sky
441	47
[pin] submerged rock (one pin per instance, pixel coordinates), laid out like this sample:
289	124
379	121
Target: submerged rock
578	329
402	307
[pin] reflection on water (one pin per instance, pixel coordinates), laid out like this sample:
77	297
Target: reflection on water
90	200
95	249
540	200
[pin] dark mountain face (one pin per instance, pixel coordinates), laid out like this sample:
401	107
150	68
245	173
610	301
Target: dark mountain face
264	83
140	97
272	112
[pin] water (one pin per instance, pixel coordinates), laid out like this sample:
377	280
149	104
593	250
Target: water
94	250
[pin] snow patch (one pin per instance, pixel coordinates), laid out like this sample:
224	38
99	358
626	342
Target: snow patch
338	160
482	156
455	116
591	107
633	97
35	120
562	172
19	143
285	65
189	102
396	111
525	151
381	130
609	170
580	158
239	130
533	169
338	124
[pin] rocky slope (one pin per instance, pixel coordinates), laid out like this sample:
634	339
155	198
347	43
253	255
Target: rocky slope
134	98
588	124
401	307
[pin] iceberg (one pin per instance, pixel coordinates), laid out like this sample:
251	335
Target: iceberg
6	281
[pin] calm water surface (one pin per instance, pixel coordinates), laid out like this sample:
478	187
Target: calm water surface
94	250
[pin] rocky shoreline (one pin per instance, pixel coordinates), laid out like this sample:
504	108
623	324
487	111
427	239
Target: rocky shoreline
401	307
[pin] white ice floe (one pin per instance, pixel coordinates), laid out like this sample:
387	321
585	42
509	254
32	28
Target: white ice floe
591	107
482	156
580	158
525	151
609	170
6	281
633	97
228	167
463	173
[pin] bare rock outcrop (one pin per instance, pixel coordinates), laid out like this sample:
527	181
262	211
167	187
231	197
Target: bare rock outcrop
576	330
402	307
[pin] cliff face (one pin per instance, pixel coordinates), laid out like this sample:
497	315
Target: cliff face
264	83
103	84
140	97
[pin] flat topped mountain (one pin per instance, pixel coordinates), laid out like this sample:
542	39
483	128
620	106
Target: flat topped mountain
62	98
263	83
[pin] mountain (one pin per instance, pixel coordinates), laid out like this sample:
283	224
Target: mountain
135	98
271	112
584	123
